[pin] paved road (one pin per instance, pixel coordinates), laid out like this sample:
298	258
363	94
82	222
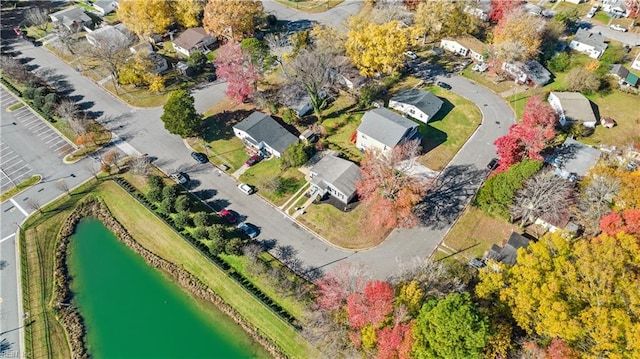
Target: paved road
627	38
335	17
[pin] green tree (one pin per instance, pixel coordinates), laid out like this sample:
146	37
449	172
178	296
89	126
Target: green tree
183	219
450	328
202	219
155	182
216	246
167	205
197	60
216	232
258	52
233	247
296	155
171	192
155	195
180	116
183	204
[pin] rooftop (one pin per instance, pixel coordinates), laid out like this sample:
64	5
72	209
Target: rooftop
425	101
592	39
536	72
190	37
338	172
509	252
574	157
385	126
263	128
575	106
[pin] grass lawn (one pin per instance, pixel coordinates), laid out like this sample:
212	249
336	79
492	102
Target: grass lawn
342	229
474	233
449	130
154	235
339	130
139	96
15	106
264	176
602	17
20	187
624	109
488	80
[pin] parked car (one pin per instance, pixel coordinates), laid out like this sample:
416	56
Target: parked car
591	13
493	164
411	55
444	85
212	77
200	157
17	31
253	160
179	177
618	28
476	263
228	216
245	188
249	229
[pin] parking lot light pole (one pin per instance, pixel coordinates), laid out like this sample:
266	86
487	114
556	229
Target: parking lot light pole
10	180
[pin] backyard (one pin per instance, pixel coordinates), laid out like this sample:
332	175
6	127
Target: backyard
273	183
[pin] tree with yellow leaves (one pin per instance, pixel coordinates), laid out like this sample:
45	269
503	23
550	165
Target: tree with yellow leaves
585	292
376	49
518	36
145	17
411	294
438	19
232	19
187	12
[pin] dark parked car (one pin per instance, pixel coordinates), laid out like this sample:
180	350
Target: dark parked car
228	216
253	160
212	77
248	229
493	164
444	85
200	157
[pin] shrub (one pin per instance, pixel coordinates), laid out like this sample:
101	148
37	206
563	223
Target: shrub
29	92
183	203
183	219
155	195
289	116
171	192
560	62
155	182
296	155
368	94
200	233
216	232
167	205
202	219
233	247
216	247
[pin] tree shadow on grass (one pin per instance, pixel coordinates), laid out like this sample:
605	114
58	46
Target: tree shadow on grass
220	125
431	137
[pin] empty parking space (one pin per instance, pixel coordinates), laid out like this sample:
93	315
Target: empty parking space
13	169
41	130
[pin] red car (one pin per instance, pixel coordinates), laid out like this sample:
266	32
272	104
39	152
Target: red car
253	160
17	31
228	215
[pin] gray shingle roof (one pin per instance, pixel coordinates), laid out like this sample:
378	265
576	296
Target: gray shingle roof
190	37
338	172
385	126
592	39
71	14
575	157
536	72
263	128
425	101
619	71
508	253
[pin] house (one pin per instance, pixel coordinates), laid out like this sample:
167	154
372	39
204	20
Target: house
575	1
193	39
105	7
573	159
572	107
623	75
419	104
531	72
335	177
588	43
160	64
563	222
615	8
73	18
117	34
298	101
382	129
347	74
184	68
478	11
509	252
636	62
467	46
262	132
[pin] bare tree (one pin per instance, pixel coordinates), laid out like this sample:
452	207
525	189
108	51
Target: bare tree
391	11
596	201
94	168
63	186
111	52
38	17
140	166
67	109
34	205
328	335
312	71
278	46
67	39
437	278
14	69
543	194
112	157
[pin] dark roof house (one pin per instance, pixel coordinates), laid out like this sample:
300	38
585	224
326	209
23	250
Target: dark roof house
383	129
73	18
193	39
336	177
419	104
573	159
531	72
624	76
262	132
509	252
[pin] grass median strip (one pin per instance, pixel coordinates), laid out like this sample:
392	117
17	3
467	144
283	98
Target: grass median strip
20	187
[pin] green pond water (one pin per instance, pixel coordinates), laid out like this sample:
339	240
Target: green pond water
132	310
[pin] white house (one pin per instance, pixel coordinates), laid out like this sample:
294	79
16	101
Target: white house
572	107
261	132
419	104
193	39
616	8
530	72
105	7
118	34
382	129
588	43
467	46
575	1
636	63
335	177
73	18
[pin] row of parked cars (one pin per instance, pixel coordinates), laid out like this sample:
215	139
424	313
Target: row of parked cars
228	215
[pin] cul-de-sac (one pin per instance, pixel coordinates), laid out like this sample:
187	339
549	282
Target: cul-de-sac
391	179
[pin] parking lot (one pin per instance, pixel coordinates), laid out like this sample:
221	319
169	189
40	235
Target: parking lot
13	169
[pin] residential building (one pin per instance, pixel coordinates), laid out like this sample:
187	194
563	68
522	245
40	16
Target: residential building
382	129
336	177
588	43
563	222
480	10
117	34
419	104
105	7
575	1
615	8
73	18
623	75
530	73
467	46
573	159
509	252
261	132
193	39
572	107
636	62
348	74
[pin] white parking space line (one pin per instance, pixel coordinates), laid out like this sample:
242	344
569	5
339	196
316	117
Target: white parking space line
5	160
49	135
44	132
39	124
26	214
28	122
55	141
16	170
7	169
22	116
7	237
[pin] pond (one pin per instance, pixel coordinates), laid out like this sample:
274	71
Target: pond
132	310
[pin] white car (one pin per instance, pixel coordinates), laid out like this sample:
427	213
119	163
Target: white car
179	177
591	14
411	55
245	188
618	28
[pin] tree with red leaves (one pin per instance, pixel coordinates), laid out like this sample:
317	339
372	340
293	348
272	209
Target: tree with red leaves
390	341
337	285
558	349
634	9
371	306
627	221
236	67
541	115
500	8
390	193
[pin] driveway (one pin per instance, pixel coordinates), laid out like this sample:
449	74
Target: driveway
334	17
